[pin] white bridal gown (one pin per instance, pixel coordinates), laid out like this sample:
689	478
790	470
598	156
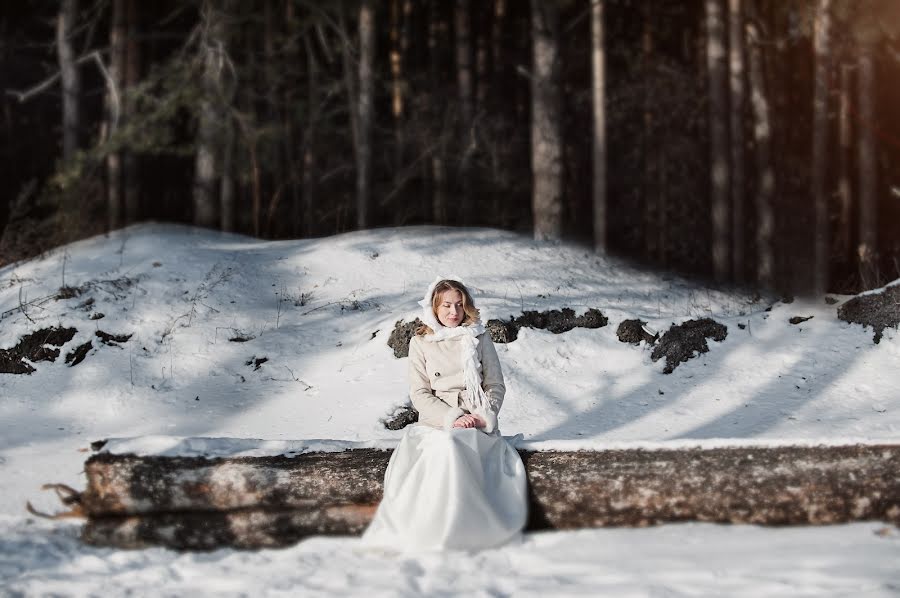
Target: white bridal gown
450	489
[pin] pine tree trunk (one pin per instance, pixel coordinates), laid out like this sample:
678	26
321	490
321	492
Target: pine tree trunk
598	67
497	27
762	137
736	75
309	139
720	188
649	189
822	49
438	170
130	174
546	122
868	171
115	109
463	43
397	84
366	112
206	166
842	242
71	78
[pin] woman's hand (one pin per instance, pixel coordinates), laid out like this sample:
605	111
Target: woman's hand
468	421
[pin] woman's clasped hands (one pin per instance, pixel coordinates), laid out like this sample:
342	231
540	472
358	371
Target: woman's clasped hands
468	421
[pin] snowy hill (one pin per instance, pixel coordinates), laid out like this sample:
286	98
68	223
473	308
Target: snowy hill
225	336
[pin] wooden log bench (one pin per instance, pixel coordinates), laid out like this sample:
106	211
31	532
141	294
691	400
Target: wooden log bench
196	503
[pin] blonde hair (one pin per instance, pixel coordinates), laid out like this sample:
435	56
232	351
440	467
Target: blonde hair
472	313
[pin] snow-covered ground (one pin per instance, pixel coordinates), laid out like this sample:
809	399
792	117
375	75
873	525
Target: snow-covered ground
320	312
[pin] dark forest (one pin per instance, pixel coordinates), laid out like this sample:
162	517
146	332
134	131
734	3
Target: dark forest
753	142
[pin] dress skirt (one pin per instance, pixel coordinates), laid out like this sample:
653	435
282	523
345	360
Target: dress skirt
450	489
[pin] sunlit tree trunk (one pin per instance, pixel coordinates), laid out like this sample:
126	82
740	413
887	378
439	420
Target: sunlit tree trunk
546	119
598	77
765	184
366	112
868	169
736	75
822	50
720	188
130	174
71	79
206	199
115	108
463	43
842	242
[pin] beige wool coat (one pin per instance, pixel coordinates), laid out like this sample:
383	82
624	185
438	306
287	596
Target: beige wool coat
437	384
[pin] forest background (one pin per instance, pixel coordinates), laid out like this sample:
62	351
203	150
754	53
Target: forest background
754	142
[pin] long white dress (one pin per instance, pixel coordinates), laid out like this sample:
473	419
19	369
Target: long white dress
450	489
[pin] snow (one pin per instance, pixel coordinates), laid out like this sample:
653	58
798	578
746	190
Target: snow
320	311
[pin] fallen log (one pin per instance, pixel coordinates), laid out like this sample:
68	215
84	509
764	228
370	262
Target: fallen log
249	502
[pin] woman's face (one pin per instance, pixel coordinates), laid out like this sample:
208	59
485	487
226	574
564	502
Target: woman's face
450	311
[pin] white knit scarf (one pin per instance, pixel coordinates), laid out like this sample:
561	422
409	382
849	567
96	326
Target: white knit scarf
468	345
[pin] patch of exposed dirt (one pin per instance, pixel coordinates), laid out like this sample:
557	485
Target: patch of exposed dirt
77	355
632	331
800	319
401	417
112	340
554	320
33	347
682	342
880	311
400	337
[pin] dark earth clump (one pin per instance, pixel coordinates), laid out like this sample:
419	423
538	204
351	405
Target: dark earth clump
112	339
632	331
400	337
799	319
256	362
682	342
554	320
33	348
401	417
77	355
880	311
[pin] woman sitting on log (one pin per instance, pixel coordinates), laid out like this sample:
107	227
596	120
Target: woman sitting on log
453	482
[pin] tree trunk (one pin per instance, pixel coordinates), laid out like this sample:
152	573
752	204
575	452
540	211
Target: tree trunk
546	122
649	188
199	503
497	27
842	242
209	138
115	108
130	174
71	78
736	74
762	137
439	196
463	44
309	139
822	49
366	112
868	171
720	186
397	84
598	78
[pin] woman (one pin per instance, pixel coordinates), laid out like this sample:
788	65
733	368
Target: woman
453	482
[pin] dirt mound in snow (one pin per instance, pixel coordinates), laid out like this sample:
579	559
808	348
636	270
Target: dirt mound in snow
33	347
682	342
402	334
879	310
632	331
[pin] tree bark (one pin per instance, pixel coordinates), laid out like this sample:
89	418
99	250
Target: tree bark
207	161
868	171
822	50
309	139
765	185
130	173
117	62
366	112
463	45
598	78
736	75
198	503
546	122
844	235
720	186
71	78
649	183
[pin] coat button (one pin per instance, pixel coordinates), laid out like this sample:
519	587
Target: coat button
437	374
